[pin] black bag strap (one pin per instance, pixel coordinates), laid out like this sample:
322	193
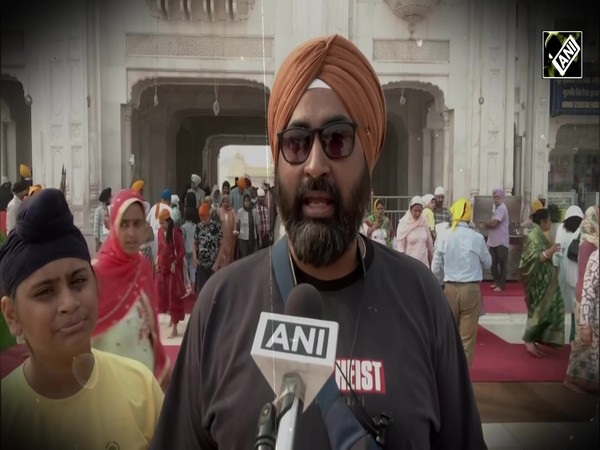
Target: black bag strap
344	429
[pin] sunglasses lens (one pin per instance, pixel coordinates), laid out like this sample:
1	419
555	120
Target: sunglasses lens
296	145
338	140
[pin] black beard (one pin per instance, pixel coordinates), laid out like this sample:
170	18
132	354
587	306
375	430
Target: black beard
321	242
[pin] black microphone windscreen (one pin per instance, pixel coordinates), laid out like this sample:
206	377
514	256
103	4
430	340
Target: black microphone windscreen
304	301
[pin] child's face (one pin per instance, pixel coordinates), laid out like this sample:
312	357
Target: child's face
55	309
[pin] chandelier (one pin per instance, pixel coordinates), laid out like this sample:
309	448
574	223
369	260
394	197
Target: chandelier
412	11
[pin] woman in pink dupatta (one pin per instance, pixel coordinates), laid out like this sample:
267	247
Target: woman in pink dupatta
127	310
171	259
228	217
413	236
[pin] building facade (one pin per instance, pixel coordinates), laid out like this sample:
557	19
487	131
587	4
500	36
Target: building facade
116	90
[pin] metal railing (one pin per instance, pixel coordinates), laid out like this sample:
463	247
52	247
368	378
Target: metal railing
395	206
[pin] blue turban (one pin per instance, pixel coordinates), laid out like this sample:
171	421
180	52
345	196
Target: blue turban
166	195
44	232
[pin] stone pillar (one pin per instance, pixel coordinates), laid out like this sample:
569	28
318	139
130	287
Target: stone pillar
447	177
93	103
126	149
493	95
428	141
509	99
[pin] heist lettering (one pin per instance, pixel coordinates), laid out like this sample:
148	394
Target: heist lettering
365	375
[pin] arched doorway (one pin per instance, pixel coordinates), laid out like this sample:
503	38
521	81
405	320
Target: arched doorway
15	137
416	151
173	126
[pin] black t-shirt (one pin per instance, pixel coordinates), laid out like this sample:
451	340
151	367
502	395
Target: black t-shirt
403	347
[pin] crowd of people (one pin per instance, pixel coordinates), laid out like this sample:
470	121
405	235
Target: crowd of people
407	298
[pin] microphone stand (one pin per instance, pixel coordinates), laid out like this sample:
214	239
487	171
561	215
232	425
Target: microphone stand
277	421
289	405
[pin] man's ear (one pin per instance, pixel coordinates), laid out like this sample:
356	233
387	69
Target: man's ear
10	315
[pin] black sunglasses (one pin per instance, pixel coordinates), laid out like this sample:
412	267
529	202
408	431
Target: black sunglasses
337	140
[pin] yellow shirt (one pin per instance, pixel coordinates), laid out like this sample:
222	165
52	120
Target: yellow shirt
117	409
430	218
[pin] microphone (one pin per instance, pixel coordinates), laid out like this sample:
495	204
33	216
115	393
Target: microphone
296	354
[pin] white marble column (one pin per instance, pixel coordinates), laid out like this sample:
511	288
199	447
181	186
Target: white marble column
447	165
126	147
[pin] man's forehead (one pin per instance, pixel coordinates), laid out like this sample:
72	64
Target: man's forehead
318	107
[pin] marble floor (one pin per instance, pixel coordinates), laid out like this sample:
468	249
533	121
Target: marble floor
501	436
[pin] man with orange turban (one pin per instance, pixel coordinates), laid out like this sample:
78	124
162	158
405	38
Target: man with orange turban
460	257
207	238
326	125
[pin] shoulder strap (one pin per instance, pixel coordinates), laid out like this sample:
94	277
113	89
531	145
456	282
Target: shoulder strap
344	429
282	268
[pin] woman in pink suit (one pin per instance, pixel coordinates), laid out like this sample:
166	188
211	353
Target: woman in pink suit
171	259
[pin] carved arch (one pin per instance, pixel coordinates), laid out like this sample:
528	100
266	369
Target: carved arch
434	90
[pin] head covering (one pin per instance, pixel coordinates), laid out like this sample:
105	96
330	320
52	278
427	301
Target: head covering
125	278
19	186
573	211
439	191
4	180
33	189
536	205
204	210
499	191
105	195
196	179
241	183
260	192
408	223
341	65
25	171
166	195
416	200
138	185
164	214
376	203
427	199
541	197
44	232
174	199
462	211
589	226
216	195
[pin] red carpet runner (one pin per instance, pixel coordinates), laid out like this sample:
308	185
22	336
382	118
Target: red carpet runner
498	360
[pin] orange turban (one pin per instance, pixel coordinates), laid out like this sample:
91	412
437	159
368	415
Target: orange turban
164	214
204	210
138	185
339	63
35	188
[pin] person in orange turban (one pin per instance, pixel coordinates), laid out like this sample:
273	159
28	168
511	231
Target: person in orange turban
326	82
341	65
326	127
138	186
204	211
164	214
35	188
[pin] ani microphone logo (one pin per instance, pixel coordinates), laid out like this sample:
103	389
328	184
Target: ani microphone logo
562	53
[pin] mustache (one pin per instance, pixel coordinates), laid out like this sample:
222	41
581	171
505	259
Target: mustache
318	185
